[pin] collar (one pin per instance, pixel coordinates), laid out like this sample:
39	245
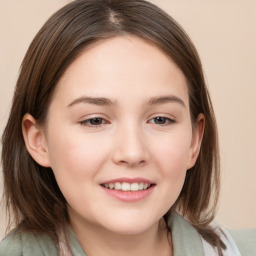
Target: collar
186	240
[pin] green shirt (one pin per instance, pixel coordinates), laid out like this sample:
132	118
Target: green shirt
186	242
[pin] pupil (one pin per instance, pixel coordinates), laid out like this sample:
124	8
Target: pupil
96	121
159	120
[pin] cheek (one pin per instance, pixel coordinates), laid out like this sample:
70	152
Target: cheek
75	165
172	151
74	159
68	147
173	162
172	157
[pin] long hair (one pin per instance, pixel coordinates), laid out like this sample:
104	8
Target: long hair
31	194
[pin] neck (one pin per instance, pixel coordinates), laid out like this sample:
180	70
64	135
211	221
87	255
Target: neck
97	241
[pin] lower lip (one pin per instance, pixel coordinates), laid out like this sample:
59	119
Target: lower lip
129	196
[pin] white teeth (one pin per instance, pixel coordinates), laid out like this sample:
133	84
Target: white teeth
111	185
125	186
118	186
134	187
141	186
145	186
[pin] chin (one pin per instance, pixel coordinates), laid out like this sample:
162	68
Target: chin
130	226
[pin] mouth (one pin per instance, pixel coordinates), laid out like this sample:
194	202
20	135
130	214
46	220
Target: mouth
126	186
129	190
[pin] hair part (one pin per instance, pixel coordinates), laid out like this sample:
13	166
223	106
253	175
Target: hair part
33	199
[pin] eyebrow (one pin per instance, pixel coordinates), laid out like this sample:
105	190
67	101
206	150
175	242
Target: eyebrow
166	99
101	101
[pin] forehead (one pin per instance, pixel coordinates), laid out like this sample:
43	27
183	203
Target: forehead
122	65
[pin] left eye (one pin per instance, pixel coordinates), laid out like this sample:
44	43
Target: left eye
97	121
161	120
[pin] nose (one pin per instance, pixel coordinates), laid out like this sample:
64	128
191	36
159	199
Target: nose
130	147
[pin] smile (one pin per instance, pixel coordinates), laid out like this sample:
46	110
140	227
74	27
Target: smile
125	186
129	189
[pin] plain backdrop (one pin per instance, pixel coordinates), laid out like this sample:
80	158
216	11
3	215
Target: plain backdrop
224	34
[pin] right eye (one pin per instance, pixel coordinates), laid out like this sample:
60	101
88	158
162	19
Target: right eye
93	122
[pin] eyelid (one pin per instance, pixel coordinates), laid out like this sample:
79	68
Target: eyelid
85	121
171	120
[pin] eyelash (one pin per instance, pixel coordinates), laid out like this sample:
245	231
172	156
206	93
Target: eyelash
162	121
167	120
88	123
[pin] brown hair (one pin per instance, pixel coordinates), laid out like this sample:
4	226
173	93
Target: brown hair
31	193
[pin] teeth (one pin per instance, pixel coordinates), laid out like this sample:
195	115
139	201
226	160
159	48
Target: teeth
145	186
125	186
134	187
118	186
141	186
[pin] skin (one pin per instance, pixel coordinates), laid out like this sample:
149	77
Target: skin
127	141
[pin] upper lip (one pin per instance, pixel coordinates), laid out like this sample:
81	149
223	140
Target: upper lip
129	180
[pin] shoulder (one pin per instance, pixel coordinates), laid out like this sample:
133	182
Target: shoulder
238	243
11	245
184	235
231	247
245	240
25	243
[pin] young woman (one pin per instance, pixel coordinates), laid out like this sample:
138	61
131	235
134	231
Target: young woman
111	145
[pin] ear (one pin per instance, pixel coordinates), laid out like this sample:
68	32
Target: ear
197	136
35	140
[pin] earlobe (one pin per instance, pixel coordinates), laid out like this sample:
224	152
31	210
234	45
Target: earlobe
198	132
35	140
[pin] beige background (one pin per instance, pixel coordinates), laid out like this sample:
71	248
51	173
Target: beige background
224	33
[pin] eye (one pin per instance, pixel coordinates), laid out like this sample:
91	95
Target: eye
93	122
160	120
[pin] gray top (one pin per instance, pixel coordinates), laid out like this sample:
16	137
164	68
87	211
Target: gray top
186	242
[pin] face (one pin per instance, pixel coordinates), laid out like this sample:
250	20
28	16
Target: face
118	135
